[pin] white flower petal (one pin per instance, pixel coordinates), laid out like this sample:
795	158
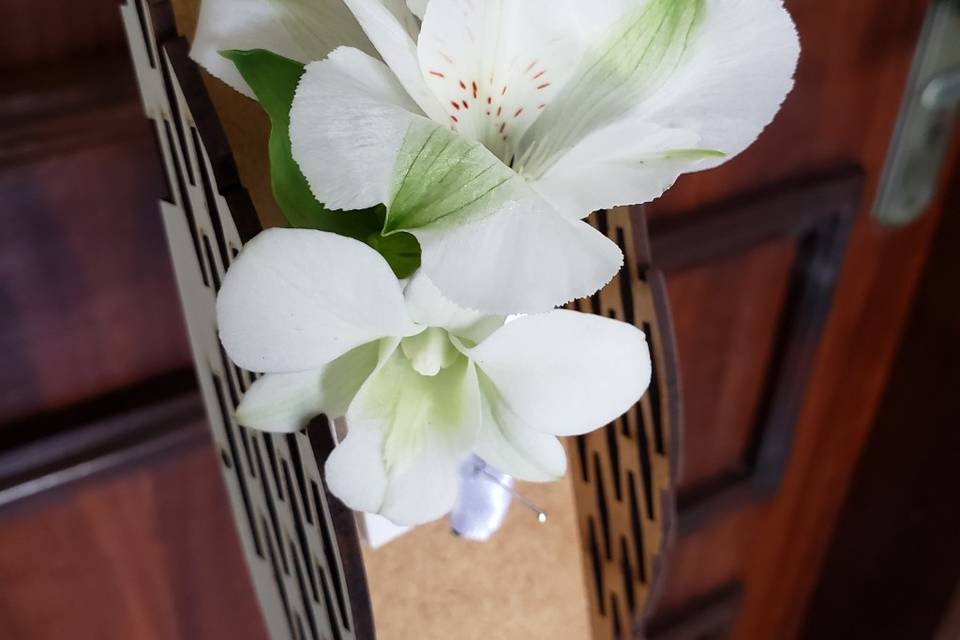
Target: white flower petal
736	74
398	50
342	378
347	124
629	162
286	402
303	30
296	299
429	308
718	68
494	64
627	64
509	444
281	402
564	372
355	472
417	7
405	15
406	436
525	259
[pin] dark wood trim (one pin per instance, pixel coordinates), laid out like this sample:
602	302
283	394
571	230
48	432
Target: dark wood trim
895	548
779	212
84	103
818	214
711	616
949	628
109	433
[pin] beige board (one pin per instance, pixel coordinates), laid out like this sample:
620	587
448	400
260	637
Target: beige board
527	583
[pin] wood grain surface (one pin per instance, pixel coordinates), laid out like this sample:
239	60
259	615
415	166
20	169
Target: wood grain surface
150	554
855	60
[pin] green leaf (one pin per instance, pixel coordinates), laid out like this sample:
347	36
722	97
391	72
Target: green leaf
274	81
400	250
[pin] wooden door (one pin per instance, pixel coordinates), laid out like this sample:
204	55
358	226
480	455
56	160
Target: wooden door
788	303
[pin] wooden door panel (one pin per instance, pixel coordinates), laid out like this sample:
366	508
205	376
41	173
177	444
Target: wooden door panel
755	278
53	32
753	540
754	533
85	283
150	554
88	301
695	569
725	319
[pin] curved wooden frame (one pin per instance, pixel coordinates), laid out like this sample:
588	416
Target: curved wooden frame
301	544
625	473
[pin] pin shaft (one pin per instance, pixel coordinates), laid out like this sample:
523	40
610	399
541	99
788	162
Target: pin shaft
519	497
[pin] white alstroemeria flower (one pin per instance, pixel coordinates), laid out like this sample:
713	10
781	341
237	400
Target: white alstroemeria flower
422	383
302	30
505	122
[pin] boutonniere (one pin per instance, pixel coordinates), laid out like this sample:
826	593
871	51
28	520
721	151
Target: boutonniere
423	383
439	158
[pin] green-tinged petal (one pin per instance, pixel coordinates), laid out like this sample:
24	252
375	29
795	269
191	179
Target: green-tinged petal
347	124
407	435
566	373
735	76
428	307
302	30
525	259
286	402
443	180
626	163
398	49
510	445
636	57
297	299
708	109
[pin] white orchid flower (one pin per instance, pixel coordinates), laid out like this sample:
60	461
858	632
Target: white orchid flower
302	30
422	382
505	122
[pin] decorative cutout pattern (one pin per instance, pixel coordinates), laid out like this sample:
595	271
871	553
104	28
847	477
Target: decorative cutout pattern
625	472
301	544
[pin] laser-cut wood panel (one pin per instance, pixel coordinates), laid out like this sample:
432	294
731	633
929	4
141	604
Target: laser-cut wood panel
301	545
624	474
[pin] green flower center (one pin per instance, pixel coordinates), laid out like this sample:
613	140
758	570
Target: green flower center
430	352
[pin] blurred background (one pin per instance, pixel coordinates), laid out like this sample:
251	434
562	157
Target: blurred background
818	344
